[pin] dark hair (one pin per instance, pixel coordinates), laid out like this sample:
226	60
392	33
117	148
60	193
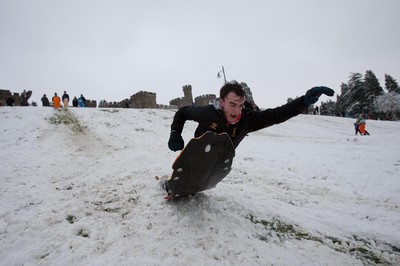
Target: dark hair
232	86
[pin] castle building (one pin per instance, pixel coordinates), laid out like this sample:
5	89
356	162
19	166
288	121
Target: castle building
186	100
205	99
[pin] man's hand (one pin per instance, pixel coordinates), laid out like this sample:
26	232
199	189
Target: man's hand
175	142
312	95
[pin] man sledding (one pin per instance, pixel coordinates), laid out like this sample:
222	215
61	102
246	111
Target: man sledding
232	117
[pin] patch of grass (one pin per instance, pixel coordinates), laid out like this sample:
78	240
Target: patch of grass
282	230
67	118
367	254
360	247
395	249
71	219
109	110
335	240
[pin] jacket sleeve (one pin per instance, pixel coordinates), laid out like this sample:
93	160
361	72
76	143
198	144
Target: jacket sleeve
277	115
183	114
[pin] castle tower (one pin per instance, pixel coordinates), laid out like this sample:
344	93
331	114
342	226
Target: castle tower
187	100
187	92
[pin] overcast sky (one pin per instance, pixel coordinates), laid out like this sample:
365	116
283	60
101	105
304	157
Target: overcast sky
113	49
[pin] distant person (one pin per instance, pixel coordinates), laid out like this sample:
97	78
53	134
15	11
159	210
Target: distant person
65	99
75	102
82	101
56	101
361	122
357	127
10	100
316	110
45	100
24	98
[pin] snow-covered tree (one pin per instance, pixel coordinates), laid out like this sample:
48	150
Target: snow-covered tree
372	90
359	94
389	103
365	95
391	84
352	98
328	108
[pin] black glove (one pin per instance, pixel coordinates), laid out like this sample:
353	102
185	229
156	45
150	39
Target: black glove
175	142
313	94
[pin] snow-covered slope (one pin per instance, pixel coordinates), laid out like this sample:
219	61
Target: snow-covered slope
78	188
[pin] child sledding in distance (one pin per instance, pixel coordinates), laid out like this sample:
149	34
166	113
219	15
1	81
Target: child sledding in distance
357	128
360	125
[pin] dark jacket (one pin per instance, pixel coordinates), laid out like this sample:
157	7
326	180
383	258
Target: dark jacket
45	101
211	118
10	101
65	96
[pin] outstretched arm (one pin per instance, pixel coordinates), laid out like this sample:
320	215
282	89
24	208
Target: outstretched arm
313	94
280	114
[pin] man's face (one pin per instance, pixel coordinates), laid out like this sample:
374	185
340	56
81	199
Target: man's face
232	106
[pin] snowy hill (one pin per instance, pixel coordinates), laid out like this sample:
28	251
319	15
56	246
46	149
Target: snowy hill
78	188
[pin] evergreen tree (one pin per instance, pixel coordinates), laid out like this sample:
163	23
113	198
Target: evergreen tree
352	99
364	95
372	90
391	84
328	108
342	100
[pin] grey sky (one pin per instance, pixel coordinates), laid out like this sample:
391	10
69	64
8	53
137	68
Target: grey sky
113	49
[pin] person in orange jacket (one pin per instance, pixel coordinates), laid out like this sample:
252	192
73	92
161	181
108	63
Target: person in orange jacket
56	101
361	122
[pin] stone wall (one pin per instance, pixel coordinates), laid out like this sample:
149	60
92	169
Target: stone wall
206	99
4	96
143	99
91	103
187	100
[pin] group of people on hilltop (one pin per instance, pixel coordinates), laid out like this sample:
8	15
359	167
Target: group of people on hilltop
359	125
76	102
